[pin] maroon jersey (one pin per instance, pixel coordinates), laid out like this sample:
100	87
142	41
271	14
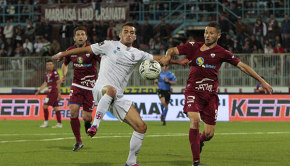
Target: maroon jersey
205	65
51	78
85	69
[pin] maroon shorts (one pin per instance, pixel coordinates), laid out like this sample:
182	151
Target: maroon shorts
51	99
82	97
204	103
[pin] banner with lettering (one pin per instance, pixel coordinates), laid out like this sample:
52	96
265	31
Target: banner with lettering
30	107
85	12
259	107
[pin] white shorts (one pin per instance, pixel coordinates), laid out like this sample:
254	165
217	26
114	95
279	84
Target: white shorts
120	106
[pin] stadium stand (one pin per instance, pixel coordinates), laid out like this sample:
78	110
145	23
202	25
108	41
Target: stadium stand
256	31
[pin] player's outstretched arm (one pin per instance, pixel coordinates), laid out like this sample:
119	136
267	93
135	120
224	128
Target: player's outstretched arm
169	53
249	71
76	51
43	85
64	69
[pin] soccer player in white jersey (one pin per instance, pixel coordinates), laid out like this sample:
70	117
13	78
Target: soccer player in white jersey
119	59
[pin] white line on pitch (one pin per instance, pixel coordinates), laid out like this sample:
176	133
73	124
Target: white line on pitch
156	135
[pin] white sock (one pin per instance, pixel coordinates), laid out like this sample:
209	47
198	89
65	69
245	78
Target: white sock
46	122
102	108
135	145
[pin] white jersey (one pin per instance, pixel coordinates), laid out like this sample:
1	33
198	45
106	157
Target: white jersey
117	63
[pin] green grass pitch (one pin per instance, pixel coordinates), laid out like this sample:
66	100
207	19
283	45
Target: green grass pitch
234	144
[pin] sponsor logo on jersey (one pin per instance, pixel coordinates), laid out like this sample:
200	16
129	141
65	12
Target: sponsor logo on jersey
115	51
200	61
212	55
80	60
118	48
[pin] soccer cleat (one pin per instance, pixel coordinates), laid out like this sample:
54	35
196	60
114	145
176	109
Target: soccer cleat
162	117
78	146
57	126
44	125
132	165
200	147
164	123
92	131
196	163
87	125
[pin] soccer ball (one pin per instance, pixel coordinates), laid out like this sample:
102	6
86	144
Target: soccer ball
150	69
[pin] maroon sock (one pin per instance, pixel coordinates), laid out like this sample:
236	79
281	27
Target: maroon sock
203	137
194	139
76	127
58	116
45	114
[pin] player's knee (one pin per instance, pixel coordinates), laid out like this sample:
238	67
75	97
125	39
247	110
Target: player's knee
111	91
142	128
194	124
209	135
74	113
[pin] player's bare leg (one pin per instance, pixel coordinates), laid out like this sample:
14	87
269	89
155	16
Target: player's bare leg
109	93
45	110
75	125
58	117
207	134
134	120
194	137
87	117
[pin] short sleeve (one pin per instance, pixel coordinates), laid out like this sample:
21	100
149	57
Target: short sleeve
230	58
100	48
146	55
66	60
172	78
56	76
187	49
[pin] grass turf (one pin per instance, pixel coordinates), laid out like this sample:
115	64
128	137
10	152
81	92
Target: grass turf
234	144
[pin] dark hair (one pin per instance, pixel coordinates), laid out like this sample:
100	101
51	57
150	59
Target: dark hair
80	28
48	60
130	25
215	25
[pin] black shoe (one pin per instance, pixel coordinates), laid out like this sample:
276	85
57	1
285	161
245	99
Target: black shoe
164	123
87	125
201	145
78	146
196	163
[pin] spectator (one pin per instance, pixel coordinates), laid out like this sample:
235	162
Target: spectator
138	31
45	46
9	43
268	49
64	35
285	29
102	31
19	32
247	48
30	30
15	62
260	30
1	31
259	88
54	47
273	28
2	44
237	47
27	44
8	30
228	42
38	47
47	29
147	29
111	31
240	28
279	49
39	30
224	24
255	42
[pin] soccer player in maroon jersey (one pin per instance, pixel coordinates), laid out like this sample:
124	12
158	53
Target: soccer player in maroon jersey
85	75
53	96
201	100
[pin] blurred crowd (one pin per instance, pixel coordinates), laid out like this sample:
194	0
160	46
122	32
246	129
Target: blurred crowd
39	38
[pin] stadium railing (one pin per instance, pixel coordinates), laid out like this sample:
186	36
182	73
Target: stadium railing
275	68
